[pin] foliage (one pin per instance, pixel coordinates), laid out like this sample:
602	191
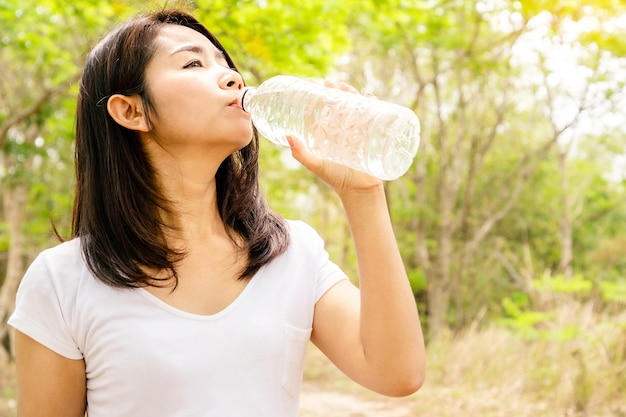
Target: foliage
614	291
534	316
483	206
41	63
286	37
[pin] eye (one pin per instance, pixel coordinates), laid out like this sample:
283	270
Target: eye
194	63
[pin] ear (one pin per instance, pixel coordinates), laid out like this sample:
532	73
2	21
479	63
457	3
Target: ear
128	112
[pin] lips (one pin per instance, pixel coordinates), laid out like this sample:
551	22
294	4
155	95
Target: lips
235	103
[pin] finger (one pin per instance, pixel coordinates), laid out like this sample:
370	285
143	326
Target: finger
302	154
368	93
347	87
340	85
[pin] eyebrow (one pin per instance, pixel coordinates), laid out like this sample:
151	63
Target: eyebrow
219	54
188	48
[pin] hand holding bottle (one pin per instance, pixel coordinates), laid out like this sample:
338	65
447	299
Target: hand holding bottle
339	177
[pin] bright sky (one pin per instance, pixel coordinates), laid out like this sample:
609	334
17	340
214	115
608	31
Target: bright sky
568	78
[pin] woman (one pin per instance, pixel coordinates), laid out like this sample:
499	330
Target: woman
181	293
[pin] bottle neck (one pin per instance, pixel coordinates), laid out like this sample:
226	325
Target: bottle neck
246	96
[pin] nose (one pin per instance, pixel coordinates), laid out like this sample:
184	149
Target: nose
232	80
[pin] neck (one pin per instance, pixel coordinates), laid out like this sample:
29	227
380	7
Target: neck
188	184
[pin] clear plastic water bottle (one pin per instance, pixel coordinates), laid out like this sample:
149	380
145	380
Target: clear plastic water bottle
364	133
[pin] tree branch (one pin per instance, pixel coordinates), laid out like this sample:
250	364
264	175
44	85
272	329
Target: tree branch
38	103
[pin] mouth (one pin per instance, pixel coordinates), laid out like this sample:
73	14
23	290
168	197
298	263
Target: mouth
235	103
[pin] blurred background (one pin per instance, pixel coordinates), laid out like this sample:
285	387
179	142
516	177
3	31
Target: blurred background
512	219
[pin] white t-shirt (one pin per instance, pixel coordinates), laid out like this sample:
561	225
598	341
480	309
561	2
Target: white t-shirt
145	358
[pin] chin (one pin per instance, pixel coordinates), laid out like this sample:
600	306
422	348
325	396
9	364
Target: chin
237	145
246	140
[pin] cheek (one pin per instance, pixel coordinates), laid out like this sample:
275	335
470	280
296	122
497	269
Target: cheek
171	112
165	99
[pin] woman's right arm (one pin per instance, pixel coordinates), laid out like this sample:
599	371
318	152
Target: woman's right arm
48	384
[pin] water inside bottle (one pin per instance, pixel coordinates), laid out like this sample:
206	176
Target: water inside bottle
276	116
363	133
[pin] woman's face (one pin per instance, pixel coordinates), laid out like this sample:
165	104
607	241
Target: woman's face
195	94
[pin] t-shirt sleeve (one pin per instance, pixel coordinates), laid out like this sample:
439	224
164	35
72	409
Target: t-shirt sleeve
39	311
328	275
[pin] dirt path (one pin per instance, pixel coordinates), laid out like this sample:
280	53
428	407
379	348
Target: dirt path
326	392
318	402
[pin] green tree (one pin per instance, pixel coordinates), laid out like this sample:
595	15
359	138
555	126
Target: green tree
480	77
41	62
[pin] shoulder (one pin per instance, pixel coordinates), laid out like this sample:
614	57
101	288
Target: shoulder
304	239
68	248
65	255
306	245
56	266
308	255
302	232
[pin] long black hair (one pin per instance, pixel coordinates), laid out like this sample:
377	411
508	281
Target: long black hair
118	200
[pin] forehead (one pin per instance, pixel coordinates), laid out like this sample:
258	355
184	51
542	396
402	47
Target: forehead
172	37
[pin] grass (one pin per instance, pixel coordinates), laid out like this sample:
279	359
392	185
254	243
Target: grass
494	371
7	391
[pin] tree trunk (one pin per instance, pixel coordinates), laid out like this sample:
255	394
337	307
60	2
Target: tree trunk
14	206
438	303
566	223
